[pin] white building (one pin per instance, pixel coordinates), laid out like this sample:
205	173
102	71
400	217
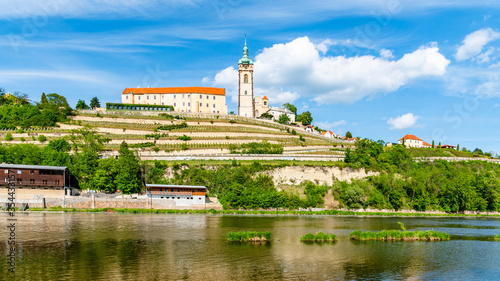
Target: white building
177	195
276	112
411	141
245	93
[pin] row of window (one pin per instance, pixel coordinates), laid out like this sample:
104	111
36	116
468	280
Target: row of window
32	181
175	96
41	172
178	198
189	104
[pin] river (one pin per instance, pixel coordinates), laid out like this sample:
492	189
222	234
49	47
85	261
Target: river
113	246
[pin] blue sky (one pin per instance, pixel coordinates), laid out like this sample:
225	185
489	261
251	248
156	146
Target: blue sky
380	69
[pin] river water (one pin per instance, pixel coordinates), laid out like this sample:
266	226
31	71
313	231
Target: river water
112	246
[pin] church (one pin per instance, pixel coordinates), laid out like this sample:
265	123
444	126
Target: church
248	105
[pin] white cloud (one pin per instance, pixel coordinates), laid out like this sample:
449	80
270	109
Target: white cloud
297	68
386	54
473	43
477	81
323	46
228	79
403	122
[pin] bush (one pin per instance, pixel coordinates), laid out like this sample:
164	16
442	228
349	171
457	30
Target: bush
173	126
8	137
249	236
184	138
156	149
232	121
257	148
294	132
22	139
319	237
184	146
42	138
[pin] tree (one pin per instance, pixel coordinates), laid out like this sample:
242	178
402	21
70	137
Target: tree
43	100
348	135
284	119
94	103
439	145
42	138
129	179
81	105
458	147
266	115
432	143
8	137
290	107
231	113
305	118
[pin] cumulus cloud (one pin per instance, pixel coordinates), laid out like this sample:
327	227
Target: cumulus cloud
386	54
403	122
474	43
299	67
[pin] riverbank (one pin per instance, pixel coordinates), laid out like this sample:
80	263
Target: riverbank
266	212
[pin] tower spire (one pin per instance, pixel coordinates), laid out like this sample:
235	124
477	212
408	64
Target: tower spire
245	59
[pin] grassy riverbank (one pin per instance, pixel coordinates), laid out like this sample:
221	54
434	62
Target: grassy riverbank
258	212
397	235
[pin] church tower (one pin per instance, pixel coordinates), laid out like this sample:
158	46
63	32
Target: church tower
245	75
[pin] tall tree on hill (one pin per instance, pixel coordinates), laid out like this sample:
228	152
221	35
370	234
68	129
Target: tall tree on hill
284	119
432	143
81	105
291	107
348	135
94	103
43	100
305	118
129	179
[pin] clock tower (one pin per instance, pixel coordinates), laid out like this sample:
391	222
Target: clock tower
245	75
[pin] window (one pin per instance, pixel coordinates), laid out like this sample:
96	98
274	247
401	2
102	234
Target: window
147	97
126	97
6	171
56	182
207	97
201	104
207	104
44	181
214	105
19	181
201	97
139	97
175	104
245	92
265	103
162	103
32	181
6	180
183	104
154	97
182	95
189	104
214	97
189	96
174	97
19	172
245	79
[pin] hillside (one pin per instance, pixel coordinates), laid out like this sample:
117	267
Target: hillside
162	134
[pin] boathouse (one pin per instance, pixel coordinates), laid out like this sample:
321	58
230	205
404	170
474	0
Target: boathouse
182	195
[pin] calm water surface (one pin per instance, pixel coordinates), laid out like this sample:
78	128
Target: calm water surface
193	247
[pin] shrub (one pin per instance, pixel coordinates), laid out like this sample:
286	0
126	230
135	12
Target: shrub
393	235
256	148
42	138
22	139
302	139
232	121
249	236
173	126
8	137
156	149
294	132
184	146
184	138
319	237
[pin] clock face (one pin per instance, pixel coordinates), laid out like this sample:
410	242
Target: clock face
246	66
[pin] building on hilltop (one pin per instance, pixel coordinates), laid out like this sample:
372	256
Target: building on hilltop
411	141
276	112
248	105
183	99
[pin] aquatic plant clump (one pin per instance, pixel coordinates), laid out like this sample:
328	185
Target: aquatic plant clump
249	236
319	237
497	237
397	235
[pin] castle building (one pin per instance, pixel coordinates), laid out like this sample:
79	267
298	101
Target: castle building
183	99
261	105
246	106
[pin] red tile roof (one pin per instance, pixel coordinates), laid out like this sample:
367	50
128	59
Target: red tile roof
447	146
410	137
426	144
174	90
265	98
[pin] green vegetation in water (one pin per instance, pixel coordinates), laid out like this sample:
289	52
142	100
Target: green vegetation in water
319	237
249	236
399	235
497	237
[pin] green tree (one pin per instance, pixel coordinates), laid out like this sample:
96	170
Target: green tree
439	145
290	107
432	143
305	118
129	180
266	115
8	137
43	100
348	135
458	147
105	175
284	119
81	105
42	138
94	103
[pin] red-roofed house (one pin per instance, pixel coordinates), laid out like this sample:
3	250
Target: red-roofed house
426	144
309	128
448	146
411	141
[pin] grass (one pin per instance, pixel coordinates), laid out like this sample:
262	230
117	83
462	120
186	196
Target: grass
398	235
249	236
497	237
319	237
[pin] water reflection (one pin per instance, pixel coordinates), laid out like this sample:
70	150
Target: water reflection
115	246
